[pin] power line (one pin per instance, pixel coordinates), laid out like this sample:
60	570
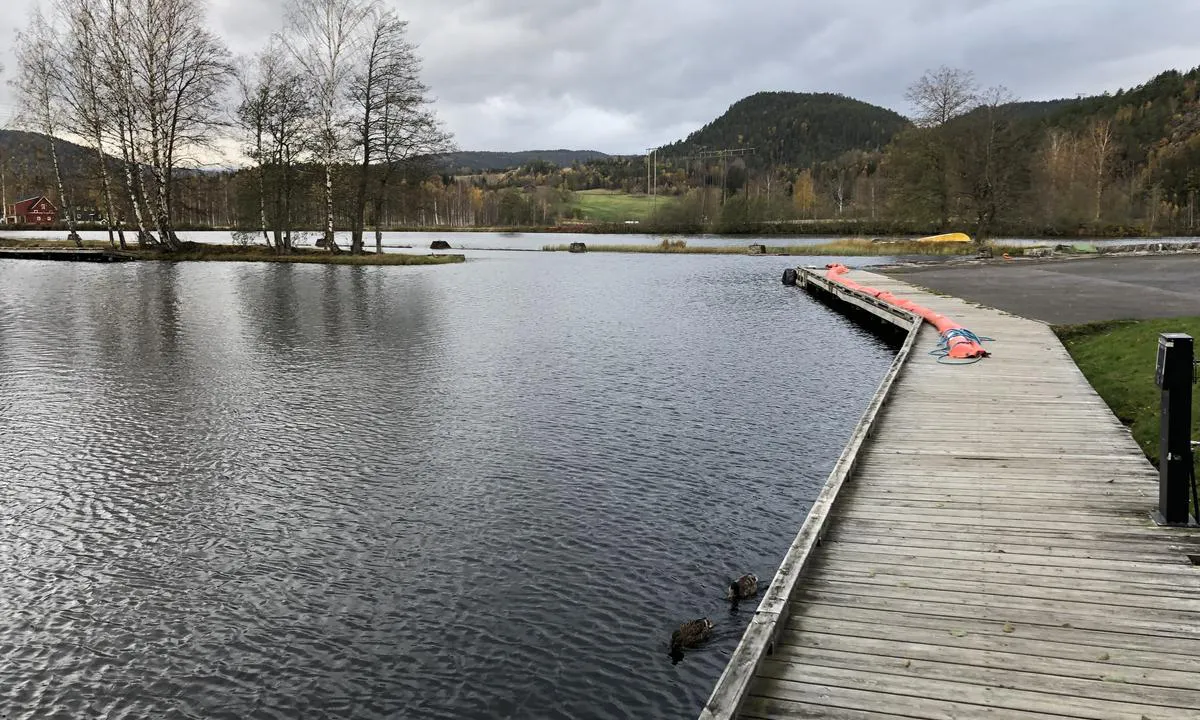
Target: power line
723	154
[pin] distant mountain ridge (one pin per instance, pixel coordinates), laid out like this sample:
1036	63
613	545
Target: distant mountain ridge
25	162
475	161
795	129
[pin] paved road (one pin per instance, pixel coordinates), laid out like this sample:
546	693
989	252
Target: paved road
1072	291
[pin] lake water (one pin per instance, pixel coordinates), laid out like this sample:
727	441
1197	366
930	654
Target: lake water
492	489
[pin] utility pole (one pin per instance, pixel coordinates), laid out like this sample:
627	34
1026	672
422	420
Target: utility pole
702	155
652	173
724	180
647	171
724	155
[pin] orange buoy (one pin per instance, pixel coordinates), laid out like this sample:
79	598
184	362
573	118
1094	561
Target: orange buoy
960	343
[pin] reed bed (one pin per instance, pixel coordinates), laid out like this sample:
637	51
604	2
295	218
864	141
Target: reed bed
848	247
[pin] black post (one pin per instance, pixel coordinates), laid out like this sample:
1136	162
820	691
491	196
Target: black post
1173	373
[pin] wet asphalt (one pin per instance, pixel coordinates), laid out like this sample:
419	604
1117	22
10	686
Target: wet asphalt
1070	291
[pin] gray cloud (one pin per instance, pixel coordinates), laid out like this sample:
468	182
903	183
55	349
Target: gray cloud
622	75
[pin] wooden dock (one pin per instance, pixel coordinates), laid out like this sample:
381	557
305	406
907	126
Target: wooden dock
983	549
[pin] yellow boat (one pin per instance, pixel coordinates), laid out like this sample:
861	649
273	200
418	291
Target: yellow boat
947	238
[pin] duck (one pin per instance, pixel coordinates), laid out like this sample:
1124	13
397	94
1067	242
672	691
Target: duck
744	587
690	634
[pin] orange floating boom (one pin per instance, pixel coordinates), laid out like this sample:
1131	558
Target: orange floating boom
961	343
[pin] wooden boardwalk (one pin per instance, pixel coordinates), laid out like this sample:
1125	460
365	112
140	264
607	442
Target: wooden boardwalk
987	553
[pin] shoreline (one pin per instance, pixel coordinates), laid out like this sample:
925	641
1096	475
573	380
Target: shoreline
849	247
765	230
100	251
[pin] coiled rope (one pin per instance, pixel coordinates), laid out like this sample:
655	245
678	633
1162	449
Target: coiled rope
942	351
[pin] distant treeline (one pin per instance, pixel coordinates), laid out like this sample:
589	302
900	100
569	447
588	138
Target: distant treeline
972	159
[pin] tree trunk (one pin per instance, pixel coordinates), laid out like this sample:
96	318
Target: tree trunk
286	218
360	200
106	185
163	212
262	206
62	196
330	243
378	227
132	187
145	204
137	195
262	189
277	207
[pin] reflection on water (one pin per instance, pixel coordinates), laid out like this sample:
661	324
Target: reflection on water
487	490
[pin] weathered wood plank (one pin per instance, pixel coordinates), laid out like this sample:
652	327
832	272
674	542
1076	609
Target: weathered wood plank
982	695
759	707
980	607
1005	519
1161	583
1124	647
1126	542
769	695
982	585
989	645
1093	681
1035	510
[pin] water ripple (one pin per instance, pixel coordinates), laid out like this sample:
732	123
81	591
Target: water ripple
488	490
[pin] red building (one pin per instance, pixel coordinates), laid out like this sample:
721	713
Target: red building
33	211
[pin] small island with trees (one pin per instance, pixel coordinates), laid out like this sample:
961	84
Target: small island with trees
335	97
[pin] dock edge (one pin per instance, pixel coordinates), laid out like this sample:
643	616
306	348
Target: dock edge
759	639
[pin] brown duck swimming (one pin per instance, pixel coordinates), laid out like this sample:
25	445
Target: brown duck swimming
690	634
744	587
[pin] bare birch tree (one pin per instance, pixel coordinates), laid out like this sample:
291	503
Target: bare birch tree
941	95
1101	137
87	96
256	83
158	76
1057	158
179	71
394	121
276	115
324	39
126	112
39	91
986	148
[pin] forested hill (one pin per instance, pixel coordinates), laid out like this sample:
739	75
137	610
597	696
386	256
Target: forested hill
795	129
479	161
25	161
1155	131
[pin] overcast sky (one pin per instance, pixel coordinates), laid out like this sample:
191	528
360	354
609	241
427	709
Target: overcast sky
623	75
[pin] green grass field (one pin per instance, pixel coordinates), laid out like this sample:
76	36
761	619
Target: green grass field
1118	360
613	207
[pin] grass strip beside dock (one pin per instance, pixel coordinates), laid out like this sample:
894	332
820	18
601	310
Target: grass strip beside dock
1118	359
